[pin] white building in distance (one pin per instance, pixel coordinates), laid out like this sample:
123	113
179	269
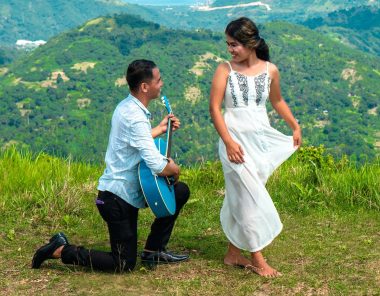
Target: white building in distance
29	45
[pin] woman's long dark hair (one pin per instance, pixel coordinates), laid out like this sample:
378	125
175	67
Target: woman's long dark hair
246	32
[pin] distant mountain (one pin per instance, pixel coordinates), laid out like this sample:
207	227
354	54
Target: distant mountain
60	97
308	7
42	19
358	27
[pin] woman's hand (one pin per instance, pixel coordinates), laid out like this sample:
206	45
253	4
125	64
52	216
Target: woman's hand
297	137
235	152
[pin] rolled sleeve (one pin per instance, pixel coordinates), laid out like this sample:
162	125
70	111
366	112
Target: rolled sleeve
142	140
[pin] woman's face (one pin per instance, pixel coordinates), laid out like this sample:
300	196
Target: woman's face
237	50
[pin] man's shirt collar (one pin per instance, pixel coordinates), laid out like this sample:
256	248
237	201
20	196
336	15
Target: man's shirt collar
138	103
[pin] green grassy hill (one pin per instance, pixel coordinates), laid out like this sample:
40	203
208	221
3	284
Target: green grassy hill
60	97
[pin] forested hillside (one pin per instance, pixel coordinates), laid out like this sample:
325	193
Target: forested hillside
358	27
7	54
60	97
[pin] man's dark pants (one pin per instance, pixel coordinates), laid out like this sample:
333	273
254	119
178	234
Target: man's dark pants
121	219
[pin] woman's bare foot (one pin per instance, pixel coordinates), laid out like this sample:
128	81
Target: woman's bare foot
261	267
235	258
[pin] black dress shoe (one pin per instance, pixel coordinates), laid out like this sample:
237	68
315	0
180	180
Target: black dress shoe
162	257
46	251
58	235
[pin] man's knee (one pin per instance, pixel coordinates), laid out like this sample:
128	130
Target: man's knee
124	262
124	251
127	265
182	193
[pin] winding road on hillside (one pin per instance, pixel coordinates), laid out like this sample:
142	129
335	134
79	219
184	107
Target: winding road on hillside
208	8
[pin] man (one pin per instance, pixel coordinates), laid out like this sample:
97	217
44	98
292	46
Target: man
120	195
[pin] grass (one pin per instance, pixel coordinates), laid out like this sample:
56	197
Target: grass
330	244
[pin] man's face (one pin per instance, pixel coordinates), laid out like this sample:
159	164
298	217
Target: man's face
155	84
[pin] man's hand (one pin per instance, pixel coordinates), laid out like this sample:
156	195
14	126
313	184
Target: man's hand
163	126
164	123
171	169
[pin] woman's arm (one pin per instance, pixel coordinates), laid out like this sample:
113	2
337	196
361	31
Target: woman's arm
281	107
234	150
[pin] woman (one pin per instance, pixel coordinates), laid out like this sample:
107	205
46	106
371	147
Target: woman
249	148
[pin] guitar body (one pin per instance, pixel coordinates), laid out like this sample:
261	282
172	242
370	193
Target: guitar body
158	194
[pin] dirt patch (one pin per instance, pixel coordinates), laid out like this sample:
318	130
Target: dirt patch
16	81
3	71
48	83
83	103
83	66
294	37
120	82
372	111
355	100
91	23
302	289
351	75
52	80
377	143
25	112
322	123
112	25
193	94
202	64
55	74
374	266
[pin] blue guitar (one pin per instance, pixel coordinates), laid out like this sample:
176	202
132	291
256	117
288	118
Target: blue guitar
159	191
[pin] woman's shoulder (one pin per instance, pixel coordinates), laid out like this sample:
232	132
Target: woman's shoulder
224	68
226	65
272	69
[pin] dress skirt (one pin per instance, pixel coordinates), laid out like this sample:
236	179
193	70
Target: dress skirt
248	216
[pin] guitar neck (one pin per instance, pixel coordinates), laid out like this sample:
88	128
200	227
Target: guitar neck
169	133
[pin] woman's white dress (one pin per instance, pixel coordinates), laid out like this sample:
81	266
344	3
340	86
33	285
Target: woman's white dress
248	216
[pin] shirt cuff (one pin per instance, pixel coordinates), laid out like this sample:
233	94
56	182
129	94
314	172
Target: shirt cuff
162	166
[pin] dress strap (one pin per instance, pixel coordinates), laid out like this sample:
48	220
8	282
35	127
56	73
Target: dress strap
228	62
